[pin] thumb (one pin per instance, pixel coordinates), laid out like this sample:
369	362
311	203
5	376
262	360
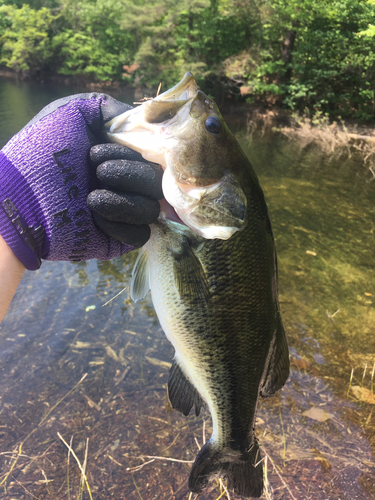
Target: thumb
111	107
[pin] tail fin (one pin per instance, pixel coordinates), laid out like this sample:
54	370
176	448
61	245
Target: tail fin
243	471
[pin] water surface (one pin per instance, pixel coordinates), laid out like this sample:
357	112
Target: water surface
317	434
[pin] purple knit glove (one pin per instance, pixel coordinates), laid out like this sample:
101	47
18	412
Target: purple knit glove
45	181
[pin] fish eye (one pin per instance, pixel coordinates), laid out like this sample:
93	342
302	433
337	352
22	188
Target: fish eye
213	125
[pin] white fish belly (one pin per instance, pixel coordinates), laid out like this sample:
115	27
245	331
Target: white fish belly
177	322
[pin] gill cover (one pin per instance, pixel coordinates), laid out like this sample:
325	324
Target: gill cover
215	211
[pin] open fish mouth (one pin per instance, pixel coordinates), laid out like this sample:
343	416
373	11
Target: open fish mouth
136	127
185	89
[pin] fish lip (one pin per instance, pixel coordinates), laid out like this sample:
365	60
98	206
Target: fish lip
185	89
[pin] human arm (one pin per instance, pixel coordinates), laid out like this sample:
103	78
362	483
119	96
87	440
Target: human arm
11	271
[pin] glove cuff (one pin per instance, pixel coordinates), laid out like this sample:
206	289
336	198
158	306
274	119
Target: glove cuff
20	216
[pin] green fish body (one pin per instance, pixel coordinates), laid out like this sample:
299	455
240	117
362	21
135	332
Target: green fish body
215	294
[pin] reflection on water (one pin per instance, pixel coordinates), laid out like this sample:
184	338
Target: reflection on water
317	434
19	102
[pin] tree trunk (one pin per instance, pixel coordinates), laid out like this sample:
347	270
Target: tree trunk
214	7
287	52
190	27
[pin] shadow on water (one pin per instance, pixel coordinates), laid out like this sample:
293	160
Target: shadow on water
317	434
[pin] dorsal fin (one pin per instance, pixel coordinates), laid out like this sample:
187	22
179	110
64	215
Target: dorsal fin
140	284
182	394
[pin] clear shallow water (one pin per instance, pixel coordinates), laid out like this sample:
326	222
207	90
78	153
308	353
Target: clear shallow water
316	431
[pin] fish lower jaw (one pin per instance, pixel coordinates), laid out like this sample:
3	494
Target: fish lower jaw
207	232
167	211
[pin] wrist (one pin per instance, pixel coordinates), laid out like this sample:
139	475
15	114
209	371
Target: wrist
20	216
11	271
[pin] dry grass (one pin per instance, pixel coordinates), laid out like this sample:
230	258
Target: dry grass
331	139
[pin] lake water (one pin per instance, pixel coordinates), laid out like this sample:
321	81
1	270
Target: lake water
96	374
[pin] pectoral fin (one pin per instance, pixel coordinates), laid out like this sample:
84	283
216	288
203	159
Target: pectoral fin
189	275
182	394
277	370
140	284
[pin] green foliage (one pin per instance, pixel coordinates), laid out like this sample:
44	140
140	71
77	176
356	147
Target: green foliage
180	35
82	54
312	54
91	41
370	32
335	63
25	37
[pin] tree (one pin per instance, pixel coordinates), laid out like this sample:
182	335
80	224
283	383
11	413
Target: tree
309	54
90	40
26	38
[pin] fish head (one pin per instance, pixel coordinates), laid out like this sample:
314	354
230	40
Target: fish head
183	130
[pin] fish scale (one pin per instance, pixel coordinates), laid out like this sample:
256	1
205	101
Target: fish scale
212	272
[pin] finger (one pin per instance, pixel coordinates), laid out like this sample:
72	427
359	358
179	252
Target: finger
120	207
103	152
112	107
132	177
131	234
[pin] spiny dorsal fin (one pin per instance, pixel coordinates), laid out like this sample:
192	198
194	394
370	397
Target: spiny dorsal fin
189	274
182	394
278	367
140	284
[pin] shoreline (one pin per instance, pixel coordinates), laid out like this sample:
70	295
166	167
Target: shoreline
236	109
64	80
262	116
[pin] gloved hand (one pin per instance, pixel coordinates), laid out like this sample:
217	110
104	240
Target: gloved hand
45	180
122	207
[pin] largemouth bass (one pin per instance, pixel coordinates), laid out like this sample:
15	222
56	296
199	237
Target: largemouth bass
211	267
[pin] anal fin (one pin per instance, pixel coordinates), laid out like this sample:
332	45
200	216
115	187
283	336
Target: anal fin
277	370
182	394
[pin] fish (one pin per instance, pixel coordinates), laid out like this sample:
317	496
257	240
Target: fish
211	266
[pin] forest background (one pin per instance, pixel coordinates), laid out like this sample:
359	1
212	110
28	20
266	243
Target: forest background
315	56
